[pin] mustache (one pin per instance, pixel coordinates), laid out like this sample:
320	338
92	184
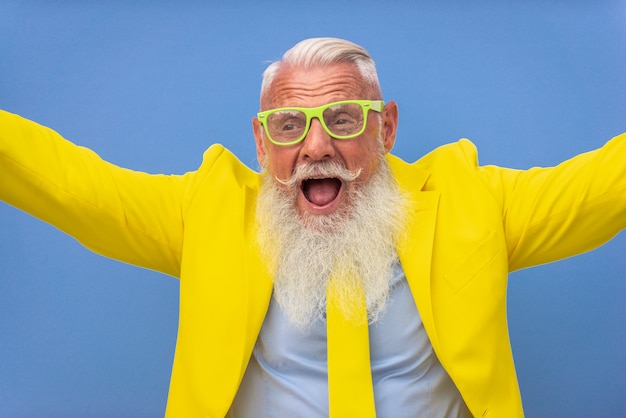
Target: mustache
323	169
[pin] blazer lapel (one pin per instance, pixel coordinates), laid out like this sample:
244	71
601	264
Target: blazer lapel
416	245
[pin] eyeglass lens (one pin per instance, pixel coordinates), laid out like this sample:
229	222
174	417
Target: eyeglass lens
340	120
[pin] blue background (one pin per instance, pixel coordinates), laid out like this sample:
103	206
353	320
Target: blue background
150	84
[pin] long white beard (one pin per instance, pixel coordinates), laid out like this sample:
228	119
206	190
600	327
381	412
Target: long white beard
356	244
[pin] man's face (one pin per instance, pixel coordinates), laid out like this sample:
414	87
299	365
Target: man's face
293	86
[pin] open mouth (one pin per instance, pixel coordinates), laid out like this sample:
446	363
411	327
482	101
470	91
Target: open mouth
322	191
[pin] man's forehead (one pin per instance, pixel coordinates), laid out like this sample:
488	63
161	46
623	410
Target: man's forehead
314	86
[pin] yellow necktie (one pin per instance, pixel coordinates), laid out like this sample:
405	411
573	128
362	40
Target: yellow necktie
350	388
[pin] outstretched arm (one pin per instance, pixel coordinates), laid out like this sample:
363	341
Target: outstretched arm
123	214
554	213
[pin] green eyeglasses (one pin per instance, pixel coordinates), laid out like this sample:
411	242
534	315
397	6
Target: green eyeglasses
341	120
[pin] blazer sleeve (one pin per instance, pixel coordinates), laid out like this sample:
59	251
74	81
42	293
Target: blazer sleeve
123	214
554	213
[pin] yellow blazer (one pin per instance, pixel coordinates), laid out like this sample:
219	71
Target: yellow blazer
469	226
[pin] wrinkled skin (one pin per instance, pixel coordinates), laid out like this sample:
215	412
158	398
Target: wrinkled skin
294	86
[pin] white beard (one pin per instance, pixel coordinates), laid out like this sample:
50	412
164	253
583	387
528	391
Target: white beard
356	244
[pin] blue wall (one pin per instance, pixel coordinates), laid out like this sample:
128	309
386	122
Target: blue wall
150	85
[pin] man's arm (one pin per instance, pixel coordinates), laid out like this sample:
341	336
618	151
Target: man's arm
555	213
130	216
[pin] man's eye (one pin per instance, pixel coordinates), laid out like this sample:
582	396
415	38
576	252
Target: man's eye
286	121
289	127
342	119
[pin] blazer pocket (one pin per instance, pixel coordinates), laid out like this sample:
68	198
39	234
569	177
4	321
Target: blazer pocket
475	262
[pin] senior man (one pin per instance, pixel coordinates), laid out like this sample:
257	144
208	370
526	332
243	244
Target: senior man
341	280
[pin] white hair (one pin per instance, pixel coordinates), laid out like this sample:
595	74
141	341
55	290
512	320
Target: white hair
324	51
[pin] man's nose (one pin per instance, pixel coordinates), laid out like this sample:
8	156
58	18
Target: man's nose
317	144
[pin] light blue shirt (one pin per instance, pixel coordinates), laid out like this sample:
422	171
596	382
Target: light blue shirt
287	374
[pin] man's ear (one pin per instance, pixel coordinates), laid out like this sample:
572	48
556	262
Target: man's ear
261	151
389	125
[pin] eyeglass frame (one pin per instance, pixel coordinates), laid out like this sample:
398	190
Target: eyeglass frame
318	113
